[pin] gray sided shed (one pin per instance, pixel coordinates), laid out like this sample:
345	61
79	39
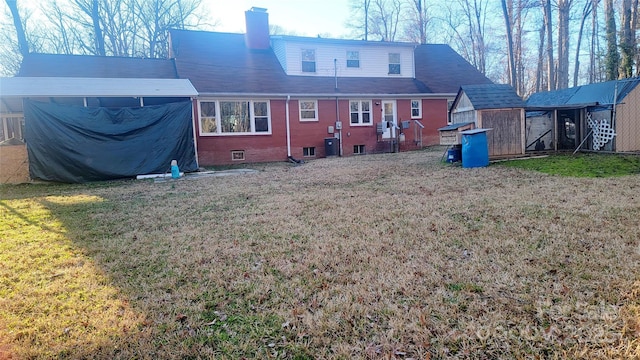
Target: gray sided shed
561	118
496	107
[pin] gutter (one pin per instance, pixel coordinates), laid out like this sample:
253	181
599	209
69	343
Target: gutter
326	95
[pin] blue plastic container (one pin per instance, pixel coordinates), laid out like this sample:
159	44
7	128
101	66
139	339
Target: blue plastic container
475	150
175	170
454	154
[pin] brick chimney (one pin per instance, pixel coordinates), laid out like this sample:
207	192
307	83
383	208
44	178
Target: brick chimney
257	21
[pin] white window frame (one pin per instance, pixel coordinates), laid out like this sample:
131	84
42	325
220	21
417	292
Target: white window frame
395	63
311	151
359	149
419	108
218	117
360	113
315	110
349	58
302	60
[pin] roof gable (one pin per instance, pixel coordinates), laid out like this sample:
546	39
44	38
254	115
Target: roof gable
490	96
89	66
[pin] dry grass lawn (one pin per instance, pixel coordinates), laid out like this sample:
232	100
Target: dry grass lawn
373	257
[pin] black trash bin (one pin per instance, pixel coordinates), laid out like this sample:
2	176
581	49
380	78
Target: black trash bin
330	146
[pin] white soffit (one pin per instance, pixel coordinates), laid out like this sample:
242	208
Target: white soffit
94	87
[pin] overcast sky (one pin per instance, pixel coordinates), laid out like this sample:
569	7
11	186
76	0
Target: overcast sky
304	17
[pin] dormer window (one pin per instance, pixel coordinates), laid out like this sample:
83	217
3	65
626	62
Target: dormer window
394	63
353	59
308	60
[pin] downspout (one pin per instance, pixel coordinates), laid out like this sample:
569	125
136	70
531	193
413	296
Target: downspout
194	122
335	75
288	129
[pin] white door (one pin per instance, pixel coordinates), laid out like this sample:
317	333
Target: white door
389	114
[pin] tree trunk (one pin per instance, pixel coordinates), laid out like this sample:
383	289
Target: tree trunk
541	52
97	31
507	22
564	8
627	41
585	13
551	78
593	49
23	45
612	58
366	19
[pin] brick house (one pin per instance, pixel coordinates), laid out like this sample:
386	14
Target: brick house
266	98
263	98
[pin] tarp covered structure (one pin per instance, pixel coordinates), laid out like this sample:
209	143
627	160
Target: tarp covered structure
79	144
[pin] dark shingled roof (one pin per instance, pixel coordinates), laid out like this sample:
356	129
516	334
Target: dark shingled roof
221	63
492	96
443	70
57	65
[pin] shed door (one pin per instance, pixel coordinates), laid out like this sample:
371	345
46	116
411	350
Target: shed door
505	138
389	115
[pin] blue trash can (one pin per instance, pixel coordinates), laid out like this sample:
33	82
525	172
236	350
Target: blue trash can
475	150
454	154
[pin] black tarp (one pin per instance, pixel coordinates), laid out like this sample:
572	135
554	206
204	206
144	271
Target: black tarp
79	144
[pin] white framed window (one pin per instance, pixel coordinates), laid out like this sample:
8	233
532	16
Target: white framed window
309	151
208	122
358	149
308	110
353	59
308	60
234	117
360	112
416	109
394	63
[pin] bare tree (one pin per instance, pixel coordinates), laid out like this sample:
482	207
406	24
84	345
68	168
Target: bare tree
23	45
507	12
474	12
385	16
359	19
588	6
418	19
156	17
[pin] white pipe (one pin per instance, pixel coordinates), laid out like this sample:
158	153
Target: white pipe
288	129
195	116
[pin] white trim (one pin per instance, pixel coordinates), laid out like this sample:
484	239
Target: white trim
95	87
252	117
315	110
360	112
419	116
390	132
